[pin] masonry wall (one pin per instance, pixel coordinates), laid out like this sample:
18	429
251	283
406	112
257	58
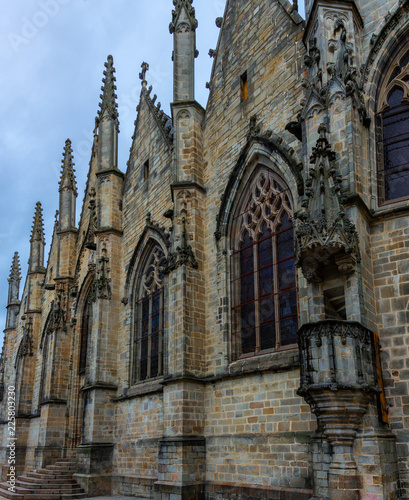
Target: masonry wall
390	250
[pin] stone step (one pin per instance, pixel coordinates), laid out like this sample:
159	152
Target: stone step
55	482
64	468
48	477
35	486
40	480
8	495
58	472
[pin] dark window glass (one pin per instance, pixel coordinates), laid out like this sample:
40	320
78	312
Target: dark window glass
393	137
266	315
149	323
86	326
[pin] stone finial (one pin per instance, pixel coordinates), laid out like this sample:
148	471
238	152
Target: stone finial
108	95
190	23
15	272
67	180
142	74
37	233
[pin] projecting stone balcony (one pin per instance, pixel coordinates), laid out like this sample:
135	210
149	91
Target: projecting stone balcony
338	381
337	355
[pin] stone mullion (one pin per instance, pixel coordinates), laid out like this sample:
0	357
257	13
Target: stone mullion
148	365
256	296
276	293
160	334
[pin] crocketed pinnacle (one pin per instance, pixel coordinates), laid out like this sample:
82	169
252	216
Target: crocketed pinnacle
108	95
37	233
15	273
67	180
190	11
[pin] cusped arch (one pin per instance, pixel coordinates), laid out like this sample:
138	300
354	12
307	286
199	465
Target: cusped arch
258	153
393	35
151	235
145	299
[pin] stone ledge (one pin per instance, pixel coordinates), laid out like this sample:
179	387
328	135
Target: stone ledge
141	389
275	361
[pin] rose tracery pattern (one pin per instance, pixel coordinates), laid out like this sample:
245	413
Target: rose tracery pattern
267	205
153	278
265	309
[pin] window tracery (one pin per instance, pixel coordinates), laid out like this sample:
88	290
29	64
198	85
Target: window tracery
149	318
393	131
265	309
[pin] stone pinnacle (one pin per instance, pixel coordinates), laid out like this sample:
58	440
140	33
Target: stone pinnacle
37	233
67	180
15	273
108	95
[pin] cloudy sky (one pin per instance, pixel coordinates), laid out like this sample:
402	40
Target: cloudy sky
53	54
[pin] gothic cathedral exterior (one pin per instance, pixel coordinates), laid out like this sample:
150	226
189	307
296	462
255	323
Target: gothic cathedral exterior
230	317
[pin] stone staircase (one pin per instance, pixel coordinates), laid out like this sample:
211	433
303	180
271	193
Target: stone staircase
55	482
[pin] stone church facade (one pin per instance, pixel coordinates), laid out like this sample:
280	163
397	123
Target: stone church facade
229	319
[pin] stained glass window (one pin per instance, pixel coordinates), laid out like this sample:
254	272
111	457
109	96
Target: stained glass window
265	309
86	326
393	131
148	348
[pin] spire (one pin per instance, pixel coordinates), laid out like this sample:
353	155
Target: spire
15	273
67	181
107	121
13	304
37	233
190	12
108	95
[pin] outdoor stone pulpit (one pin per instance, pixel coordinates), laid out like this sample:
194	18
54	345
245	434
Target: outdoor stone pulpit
338	381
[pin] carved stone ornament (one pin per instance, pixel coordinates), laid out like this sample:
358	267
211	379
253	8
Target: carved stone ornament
26	346
183	256
313	57
182	27
340	81
338	380
58	313
163	120
323	232
93	221
101	286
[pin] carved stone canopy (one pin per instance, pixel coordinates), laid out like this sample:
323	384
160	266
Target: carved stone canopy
324	234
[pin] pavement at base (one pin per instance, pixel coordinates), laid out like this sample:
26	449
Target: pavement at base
115	498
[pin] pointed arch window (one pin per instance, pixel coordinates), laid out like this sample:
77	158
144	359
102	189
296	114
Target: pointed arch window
393	131
265	305
149	318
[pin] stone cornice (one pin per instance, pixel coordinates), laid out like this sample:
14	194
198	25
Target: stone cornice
113	171
105	386
72	230
188	104
113	230
186	185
